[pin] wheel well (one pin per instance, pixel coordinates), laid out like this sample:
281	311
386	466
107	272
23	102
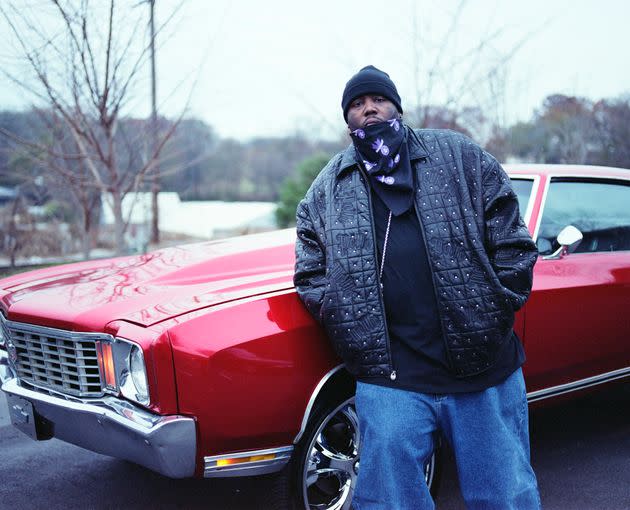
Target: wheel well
337	383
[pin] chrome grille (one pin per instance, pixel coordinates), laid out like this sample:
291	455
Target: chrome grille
3	333
55	359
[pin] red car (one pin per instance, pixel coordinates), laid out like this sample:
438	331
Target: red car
201	360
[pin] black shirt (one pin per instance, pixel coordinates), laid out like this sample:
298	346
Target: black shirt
417	346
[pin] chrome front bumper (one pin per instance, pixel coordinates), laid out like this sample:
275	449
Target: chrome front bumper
165	444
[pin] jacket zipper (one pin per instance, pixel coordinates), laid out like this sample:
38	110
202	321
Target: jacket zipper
416	207
379	286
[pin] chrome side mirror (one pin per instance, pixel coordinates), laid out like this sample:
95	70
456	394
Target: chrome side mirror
569	238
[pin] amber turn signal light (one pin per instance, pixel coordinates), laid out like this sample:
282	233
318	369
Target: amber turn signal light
107	364
241	460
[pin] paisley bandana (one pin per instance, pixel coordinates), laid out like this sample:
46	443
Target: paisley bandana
382	150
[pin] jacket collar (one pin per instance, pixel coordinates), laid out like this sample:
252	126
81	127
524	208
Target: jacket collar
417	150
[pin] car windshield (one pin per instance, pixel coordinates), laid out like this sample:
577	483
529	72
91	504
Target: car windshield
598	209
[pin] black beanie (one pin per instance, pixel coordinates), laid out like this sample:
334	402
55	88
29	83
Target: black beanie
369	80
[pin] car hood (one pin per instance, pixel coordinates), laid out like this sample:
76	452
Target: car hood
150	288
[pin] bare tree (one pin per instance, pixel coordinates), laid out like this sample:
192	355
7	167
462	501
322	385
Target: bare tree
71	170
571	128
57	161
455	77
20	235
12	240
86	61
612	119
453	74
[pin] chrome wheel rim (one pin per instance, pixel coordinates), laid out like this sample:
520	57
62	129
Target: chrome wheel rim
331	468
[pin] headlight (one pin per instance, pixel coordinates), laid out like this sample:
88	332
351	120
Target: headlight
139	374
133	377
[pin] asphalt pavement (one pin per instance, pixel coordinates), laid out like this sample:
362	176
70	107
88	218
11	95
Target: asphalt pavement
580	452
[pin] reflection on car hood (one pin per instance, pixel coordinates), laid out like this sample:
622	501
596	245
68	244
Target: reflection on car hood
149	288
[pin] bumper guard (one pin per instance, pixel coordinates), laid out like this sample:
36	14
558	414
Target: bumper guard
111	426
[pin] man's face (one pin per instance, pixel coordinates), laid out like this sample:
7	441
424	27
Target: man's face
370	109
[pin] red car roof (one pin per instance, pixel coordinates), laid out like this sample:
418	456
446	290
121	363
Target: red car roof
568	170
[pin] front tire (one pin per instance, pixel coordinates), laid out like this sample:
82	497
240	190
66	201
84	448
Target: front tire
323	471
329	459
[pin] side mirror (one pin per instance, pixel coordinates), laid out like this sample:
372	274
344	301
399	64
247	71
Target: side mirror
569	238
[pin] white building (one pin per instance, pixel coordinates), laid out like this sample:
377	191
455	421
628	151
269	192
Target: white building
202	219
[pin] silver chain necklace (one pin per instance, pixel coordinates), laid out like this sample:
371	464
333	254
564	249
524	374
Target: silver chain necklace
389	223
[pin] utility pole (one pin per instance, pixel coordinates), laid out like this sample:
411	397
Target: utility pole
155	188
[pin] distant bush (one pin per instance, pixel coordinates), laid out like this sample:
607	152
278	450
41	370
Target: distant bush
296	186
60	211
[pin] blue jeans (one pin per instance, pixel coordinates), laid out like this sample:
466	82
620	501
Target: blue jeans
487	430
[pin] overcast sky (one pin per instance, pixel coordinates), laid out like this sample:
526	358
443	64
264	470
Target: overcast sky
265	68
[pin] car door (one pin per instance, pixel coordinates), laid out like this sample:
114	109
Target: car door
577	320
526	189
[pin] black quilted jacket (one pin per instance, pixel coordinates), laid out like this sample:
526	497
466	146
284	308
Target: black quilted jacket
480	252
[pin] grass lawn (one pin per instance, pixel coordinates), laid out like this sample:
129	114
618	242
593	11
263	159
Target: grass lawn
9	271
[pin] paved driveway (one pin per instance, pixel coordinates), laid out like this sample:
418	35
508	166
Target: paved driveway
580	451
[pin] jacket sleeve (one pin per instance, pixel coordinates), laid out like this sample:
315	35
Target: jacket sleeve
310	261
511	249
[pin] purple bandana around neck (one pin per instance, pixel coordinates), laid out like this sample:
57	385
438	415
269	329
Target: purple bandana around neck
382	150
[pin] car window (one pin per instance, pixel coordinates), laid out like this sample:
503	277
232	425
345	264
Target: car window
523	189
600	210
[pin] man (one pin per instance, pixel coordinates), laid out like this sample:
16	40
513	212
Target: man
412	254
